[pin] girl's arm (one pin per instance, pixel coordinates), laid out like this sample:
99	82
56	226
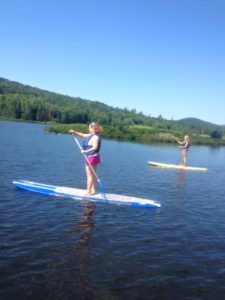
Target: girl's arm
80	134
179	142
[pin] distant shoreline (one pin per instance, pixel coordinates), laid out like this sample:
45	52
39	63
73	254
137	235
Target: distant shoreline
139	134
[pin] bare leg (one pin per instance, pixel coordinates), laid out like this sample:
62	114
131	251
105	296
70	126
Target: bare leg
183	157
91	181
93	188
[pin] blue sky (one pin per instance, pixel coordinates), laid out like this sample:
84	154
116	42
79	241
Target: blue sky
160	57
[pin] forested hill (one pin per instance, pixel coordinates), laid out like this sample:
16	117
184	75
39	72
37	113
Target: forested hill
22	102
193	122
29	103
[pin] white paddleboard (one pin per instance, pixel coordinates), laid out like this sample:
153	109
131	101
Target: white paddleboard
181	167
79	194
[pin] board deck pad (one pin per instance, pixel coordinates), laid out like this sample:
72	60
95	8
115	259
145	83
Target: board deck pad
162	165
78	194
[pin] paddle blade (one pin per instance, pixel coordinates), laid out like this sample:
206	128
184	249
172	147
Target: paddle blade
101	188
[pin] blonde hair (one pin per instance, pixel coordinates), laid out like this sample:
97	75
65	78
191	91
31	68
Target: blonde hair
96	126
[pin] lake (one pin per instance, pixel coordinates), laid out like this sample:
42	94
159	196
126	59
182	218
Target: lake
59	248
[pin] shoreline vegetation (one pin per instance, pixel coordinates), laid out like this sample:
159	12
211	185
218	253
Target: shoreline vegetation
140	134
60	113
135	133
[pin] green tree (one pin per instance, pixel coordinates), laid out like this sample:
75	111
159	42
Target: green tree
216	134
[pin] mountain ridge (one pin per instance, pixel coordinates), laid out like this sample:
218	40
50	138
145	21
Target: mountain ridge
198	122
62	112
16	87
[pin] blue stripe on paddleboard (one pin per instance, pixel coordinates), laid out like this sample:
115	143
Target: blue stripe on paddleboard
58	191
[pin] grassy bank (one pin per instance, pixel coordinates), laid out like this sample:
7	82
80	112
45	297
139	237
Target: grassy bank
139	133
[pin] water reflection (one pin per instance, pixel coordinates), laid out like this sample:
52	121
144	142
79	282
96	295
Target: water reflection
179	185
181	177
82	250
85	224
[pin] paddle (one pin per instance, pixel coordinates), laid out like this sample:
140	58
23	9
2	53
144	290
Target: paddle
175	138
101	187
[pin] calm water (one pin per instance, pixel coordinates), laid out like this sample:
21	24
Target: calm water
56	248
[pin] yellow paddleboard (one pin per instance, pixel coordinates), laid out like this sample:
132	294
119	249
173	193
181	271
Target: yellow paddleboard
180	167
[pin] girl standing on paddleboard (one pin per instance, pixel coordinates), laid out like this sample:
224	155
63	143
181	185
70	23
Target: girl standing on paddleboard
184	145
91	148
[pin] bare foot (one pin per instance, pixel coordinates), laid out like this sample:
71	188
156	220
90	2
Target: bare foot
87	193
92	193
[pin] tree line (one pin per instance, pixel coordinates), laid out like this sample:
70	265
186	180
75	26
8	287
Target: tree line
27	103
18	101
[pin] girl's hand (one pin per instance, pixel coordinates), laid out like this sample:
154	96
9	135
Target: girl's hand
71	131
